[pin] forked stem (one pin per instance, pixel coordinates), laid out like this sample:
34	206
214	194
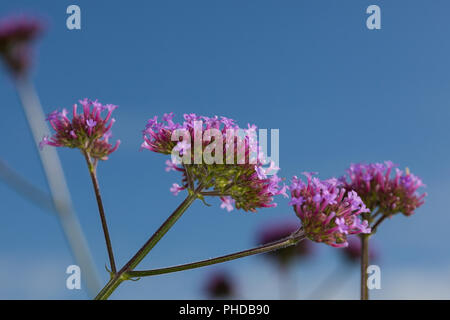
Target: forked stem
122	275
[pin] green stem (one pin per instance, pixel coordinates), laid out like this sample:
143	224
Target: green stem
280	244
122	275
374	215
365	255
376	224
189	179
215	194
101	210
364	265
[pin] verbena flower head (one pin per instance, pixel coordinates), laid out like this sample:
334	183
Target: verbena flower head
379	187
88	131
284	257
216	153
16	33
328	213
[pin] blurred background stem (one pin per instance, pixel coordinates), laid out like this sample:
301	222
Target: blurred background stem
331	285
287	284
25	188
57	184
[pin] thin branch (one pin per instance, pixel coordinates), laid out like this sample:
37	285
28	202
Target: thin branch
376	213
214	194
188	177
376	224
293	239
101	210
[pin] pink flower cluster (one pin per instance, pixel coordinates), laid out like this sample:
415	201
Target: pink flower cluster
88	131
328	212
239	182
16	32
376	186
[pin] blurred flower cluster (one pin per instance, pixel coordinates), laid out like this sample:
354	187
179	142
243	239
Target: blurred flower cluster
220	285
16	33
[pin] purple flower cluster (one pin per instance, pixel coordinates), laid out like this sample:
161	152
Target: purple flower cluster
240	180
88	131
376	186
328	213
16	32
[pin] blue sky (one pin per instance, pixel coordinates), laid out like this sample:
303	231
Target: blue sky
338	93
